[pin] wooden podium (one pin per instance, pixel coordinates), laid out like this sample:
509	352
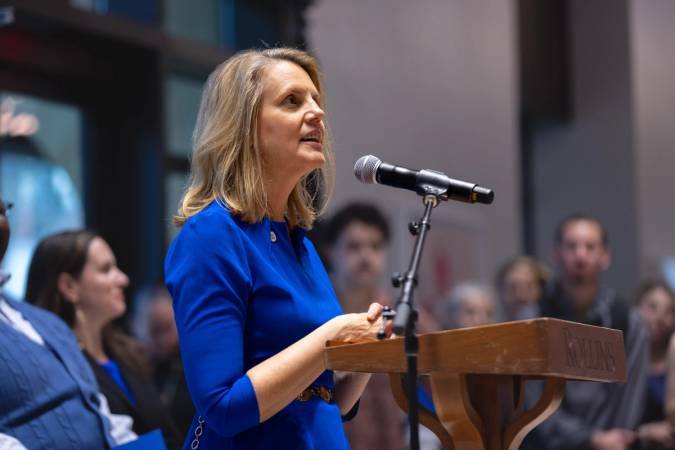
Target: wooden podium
477	374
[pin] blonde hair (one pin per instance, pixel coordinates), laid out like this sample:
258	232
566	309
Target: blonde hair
226	163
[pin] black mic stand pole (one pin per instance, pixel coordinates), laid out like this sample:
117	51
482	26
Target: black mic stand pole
406	315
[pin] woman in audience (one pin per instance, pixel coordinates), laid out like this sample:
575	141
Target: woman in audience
50	398
468	305
656	304
521	282
75	275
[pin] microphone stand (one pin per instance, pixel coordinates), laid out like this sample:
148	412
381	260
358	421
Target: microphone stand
406	314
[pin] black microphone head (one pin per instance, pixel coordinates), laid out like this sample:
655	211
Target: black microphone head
365	169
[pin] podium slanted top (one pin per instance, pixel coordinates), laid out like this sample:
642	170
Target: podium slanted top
537	347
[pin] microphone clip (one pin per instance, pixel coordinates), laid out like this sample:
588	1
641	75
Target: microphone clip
387	315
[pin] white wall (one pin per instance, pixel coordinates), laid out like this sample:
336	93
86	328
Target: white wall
426	84
587	165
653	48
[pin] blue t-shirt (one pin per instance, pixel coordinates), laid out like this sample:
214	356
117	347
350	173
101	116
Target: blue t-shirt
242	293
657	387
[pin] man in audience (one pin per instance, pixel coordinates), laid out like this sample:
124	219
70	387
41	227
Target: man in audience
50	399
357	237
356	241
592	415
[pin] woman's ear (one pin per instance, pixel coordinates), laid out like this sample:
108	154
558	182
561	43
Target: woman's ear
68	287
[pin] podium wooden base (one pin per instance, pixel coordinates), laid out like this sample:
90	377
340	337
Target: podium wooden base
477	375
482	412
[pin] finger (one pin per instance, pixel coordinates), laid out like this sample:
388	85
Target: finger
374	311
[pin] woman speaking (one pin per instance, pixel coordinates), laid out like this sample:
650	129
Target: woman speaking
254	306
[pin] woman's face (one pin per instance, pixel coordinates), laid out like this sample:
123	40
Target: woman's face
100	287
477	309
656	310
291	131
521	287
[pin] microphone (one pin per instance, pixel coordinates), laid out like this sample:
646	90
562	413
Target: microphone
370	169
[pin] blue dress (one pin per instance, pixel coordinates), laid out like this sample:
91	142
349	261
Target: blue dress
242	293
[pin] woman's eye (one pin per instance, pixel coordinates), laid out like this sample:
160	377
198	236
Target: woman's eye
291	100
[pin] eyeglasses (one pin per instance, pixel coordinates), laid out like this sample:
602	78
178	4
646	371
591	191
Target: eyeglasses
4	208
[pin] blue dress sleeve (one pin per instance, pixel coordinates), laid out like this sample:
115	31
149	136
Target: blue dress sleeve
207	274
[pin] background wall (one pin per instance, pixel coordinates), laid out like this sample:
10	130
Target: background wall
614	156
653	80
427	84
586	164
558	106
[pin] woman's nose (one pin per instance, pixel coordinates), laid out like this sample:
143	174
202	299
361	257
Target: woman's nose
315	113
123	278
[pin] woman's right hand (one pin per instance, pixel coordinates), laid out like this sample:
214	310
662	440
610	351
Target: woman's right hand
361	327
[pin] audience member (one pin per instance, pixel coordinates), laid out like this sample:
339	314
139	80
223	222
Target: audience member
592	415
50	398
356	241
521	282
75	275
154	326
467	305
656	304
356	238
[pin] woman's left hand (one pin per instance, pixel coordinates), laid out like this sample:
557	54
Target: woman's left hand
350	385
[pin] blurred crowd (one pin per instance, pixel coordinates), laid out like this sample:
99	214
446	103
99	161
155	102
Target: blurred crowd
639	414
102	374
